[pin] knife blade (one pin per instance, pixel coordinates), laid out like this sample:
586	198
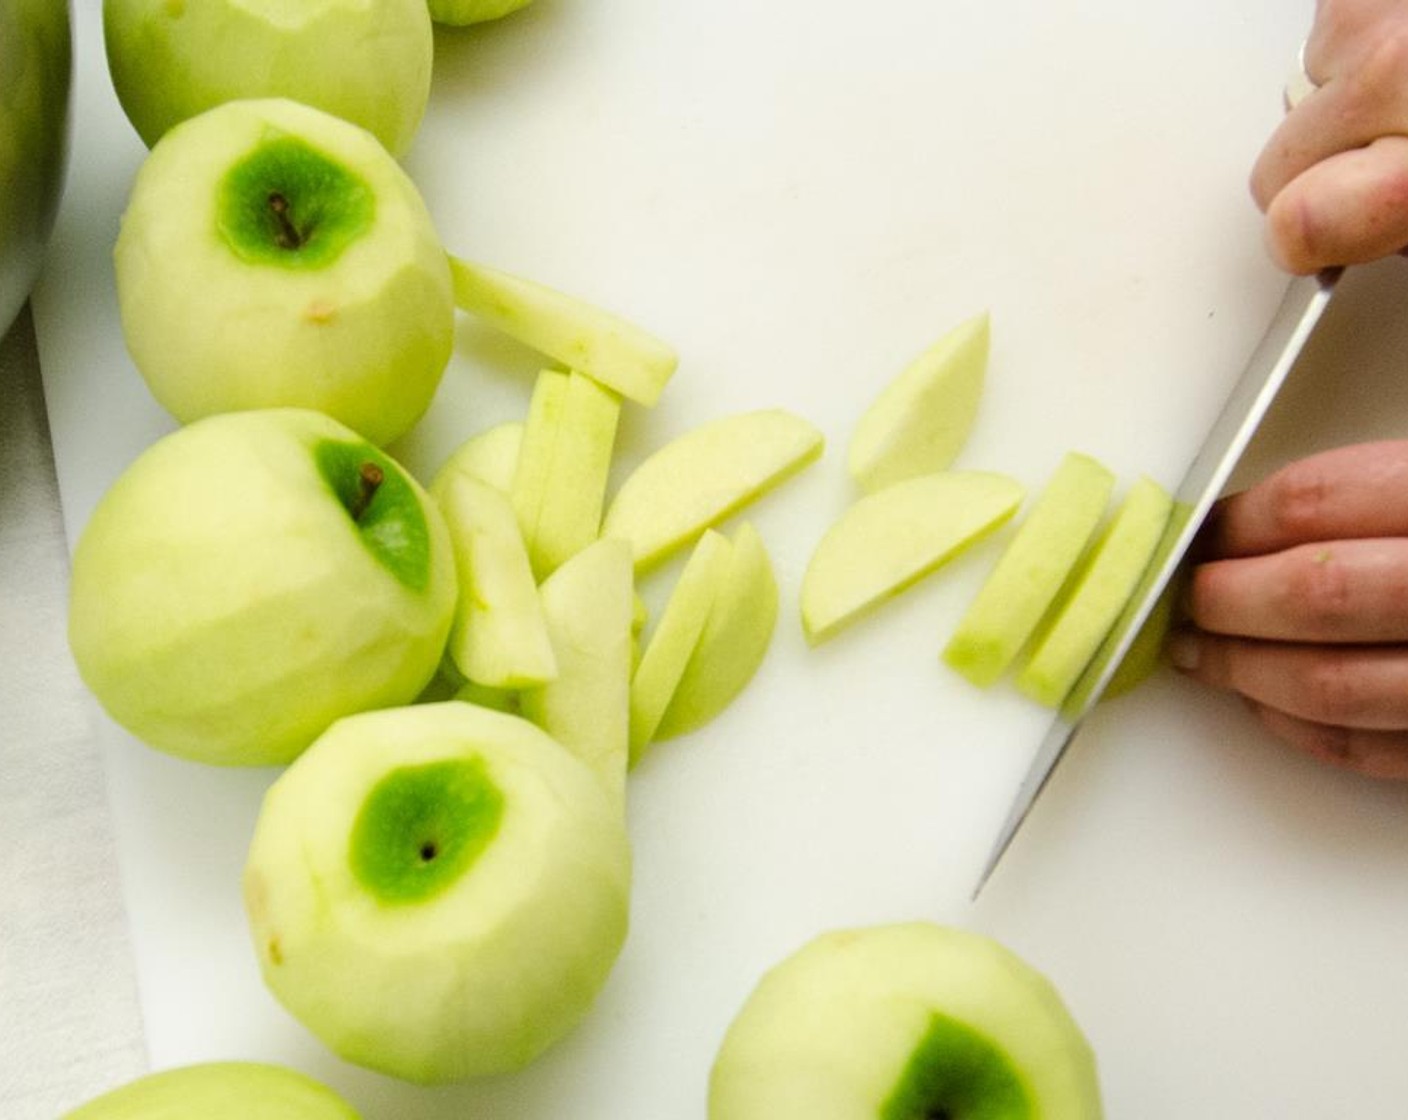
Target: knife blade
1302	306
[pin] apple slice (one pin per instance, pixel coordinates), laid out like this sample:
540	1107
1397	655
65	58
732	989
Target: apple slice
604	346
676	636
219	1091
735	639
1030	573
589	604
559	486
490	456
438	892
922	419
495	699
499	638
1098	591
700	478
904	1022
889	540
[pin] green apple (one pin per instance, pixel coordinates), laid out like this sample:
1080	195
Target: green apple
676	636
254	576
460	13
272	254
490	456
1031	571
219	1091
702	477
589	606
620	355
922	419
366	63
736	637
499	637
559	486
891	539
438	892
1097	593
912	1021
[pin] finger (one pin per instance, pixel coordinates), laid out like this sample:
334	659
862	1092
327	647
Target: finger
1375	754
1338	686
1338	592
1350	208
1351	492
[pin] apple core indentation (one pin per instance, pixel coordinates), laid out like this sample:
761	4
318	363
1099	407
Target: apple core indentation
956	1073
382	504
288	205
422	828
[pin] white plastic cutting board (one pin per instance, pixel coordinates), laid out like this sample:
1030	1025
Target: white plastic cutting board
801	195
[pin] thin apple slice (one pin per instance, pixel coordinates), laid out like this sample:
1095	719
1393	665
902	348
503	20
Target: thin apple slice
1088	607
676	637
559	485
589	604
921	420
889	540
498	638
1030	573
604	346
735	639
490	456
700	478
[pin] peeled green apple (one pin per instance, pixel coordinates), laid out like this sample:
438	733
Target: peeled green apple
272	254
913	1021
369	63
438	892
219	1091
462	12
254	576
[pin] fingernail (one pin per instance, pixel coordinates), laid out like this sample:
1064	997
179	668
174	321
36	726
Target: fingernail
1184	651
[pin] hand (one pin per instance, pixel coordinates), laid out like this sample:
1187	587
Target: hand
1333	178
1300	603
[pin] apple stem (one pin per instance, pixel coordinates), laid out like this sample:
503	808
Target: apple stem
288	236
369	479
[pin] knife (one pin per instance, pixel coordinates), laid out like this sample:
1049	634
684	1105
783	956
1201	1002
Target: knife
1304	303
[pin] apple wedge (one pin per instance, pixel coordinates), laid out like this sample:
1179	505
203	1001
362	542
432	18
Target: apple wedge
559	485
889	540
702	477
1031	571
219	1091
498	638
735	639
589	606
676	636
490	456
921	420
1089	605
604	346
912	1021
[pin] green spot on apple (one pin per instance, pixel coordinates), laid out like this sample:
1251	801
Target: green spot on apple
422	827
956	1073
287	204
384	505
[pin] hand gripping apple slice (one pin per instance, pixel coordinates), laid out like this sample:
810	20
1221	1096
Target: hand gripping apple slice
589	606
904	1022
736	637
889	540
219	1091
438	892
1089	605
499	637
921	420
272	255
1031	571
582	337
490	456
700	478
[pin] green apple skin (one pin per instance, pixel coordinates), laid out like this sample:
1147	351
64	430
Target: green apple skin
227	605
223	310
491	456
219	1091
921	420
904	1022
366	63
735	640
460	13
438	892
